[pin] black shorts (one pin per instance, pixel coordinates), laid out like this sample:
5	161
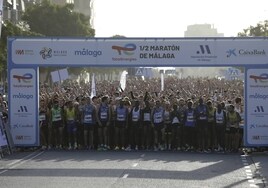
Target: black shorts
233	130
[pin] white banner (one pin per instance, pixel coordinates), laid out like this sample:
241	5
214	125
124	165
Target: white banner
59	75
140	52
257	107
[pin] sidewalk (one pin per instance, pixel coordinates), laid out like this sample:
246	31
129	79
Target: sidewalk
260	160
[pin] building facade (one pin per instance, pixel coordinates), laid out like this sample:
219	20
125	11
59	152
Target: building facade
202	30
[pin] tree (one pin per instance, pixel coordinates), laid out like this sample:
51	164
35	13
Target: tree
9	29
54	20
261	29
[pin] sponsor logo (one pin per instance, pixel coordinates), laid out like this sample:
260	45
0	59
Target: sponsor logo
257	126
245	52
204	49
22	96
18	125
19	137
204	53
23	111
262	78
59	52
24	52
128	49
259	111
87	52
255	137
26	78
258	96
46	53
231	52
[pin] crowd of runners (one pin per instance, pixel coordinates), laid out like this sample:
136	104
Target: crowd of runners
190	114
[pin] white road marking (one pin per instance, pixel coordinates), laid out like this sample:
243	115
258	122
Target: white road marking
21	161
135	164
125	176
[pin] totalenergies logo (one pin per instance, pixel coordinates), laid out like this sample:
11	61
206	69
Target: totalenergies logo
26	78
263	78
128	49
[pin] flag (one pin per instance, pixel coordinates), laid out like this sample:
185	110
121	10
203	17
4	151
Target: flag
162	81
123	80
93	86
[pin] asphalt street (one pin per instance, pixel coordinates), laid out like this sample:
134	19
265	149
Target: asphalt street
131	169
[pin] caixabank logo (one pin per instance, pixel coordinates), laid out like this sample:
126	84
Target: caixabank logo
245	53
204	53
125	52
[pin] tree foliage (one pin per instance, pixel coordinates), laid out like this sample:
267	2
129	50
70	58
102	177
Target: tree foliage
9	29
53	20
261	29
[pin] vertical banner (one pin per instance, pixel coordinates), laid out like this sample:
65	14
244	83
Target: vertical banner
93	86
23	95
257	107
123	80
162	81
3	139
1	16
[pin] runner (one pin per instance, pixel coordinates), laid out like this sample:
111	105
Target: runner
104	116
121	125
220	126
44	123
70	119
56	121
89	115
158	125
